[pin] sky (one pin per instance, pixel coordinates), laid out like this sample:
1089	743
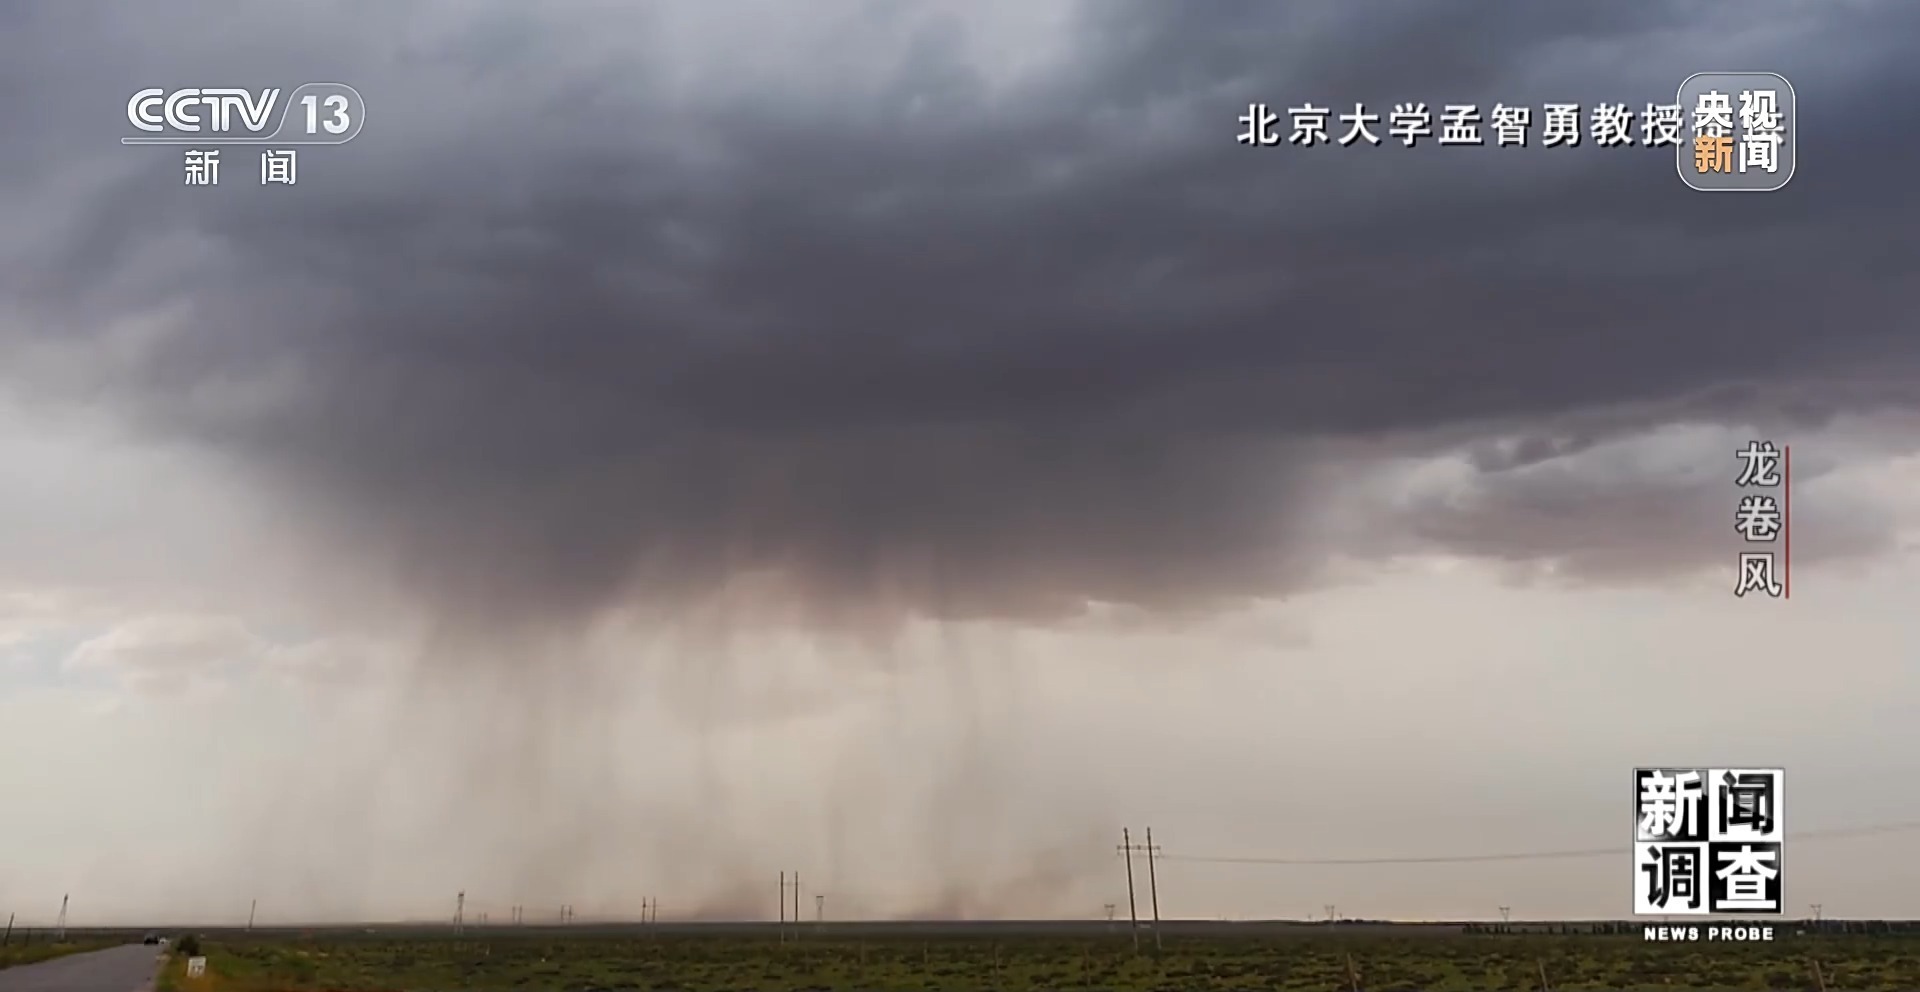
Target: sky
906	443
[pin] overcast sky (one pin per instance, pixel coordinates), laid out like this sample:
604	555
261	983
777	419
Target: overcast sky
907	442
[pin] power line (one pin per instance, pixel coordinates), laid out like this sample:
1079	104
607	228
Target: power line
1586	852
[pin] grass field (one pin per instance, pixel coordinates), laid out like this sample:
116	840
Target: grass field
712	963
13	954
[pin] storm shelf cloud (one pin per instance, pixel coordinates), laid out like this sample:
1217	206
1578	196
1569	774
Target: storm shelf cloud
905	330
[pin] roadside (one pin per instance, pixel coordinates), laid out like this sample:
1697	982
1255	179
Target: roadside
173	977
173	970
223	973
17	954
124	966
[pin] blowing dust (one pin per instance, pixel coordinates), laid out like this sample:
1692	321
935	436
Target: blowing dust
900	776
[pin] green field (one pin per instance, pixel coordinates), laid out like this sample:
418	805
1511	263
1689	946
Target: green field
1314	962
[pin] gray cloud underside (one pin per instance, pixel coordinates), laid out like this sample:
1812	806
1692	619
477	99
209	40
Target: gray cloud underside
909	337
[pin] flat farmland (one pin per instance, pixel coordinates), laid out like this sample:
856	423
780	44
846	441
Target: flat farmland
690	959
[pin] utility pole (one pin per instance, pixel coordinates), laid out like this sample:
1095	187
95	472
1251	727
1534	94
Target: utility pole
1153	889
1506	915
819	909
1153	885
459	914
251	909
1133	907
60	934
784	918
7	938
1110	909
1333	913
1816	914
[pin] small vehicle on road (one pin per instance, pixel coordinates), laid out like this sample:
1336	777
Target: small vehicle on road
152	938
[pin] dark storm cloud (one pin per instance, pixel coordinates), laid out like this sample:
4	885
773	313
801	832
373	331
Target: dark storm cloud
891	336
1622	511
